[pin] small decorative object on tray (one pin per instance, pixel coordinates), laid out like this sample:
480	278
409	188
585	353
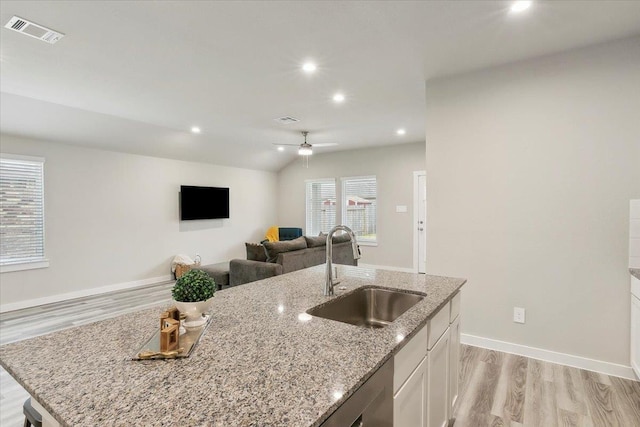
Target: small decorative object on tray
193	294
172	313
169	333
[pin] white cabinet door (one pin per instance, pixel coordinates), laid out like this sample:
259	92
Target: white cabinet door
438	383
454	363
409	408
635	334
408	358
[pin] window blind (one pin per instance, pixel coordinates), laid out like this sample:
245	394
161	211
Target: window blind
21	210
359	206
320	206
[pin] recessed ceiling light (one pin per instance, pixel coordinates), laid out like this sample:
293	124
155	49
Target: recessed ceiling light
195	129
520	6
401	132
338	97
280	148
309	67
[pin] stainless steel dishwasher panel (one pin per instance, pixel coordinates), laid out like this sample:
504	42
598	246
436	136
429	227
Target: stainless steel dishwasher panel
370	406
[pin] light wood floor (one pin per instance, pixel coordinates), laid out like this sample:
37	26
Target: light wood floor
497	389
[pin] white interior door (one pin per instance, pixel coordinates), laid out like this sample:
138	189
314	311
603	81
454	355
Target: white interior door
420	219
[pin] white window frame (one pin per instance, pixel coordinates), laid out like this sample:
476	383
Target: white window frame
364	241
308	221
19	264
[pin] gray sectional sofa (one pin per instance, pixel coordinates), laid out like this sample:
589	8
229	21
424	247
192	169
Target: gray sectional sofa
275	258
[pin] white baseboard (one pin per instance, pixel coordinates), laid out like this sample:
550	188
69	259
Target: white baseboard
386	267
83	293
608	368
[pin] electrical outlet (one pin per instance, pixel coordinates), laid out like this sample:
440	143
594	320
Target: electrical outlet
518	314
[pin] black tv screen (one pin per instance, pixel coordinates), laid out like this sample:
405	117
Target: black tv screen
203	202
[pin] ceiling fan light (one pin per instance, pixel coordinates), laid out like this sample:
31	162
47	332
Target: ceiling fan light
305	151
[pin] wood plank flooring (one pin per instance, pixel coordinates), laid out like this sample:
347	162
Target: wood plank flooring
497	389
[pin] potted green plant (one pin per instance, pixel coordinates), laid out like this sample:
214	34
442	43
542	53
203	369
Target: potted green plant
193	293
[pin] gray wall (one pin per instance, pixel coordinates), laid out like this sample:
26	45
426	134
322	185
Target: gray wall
530	168
393	167
112	218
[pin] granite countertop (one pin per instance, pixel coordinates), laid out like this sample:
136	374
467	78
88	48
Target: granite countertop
635	272
256	364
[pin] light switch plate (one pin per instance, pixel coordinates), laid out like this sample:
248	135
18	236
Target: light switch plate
518	314
401	208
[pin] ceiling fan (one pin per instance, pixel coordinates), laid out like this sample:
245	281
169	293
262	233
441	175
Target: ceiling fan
306	149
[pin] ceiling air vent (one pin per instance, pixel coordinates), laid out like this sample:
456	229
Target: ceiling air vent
286	120
33	30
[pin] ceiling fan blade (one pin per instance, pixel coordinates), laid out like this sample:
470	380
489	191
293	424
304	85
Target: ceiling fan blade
292	145
326	144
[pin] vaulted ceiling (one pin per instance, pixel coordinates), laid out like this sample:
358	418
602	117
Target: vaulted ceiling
135	76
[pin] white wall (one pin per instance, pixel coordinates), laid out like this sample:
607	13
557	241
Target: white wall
112	218
634	233
530	168
393	167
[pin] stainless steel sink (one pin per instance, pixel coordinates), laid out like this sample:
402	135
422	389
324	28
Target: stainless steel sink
370	307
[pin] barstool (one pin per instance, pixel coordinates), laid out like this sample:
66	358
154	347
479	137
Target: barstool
31	416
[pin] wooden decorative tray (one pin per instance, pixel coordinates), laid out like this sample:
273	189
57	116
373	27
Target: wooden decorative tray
150	350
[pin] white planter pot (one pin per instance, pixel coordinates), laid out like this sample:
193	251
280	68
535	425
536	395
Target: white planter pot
194	312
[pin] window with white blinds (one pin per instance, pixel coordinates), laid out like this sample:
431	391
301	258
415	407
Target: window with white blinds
21	211
320	206
359	202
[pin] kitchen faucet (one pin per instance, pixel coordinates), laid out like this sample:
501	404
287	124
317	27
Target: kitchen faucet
329	282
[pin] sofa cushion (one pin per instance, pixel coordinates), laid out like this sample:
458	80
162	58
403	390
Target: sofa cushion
244	271
218	272
341	238
272	249
338	238
313	242
256	252
296	260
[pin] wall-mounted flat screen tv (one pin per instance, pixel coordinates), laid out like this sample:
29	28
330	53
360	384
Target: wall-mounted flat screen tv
203	202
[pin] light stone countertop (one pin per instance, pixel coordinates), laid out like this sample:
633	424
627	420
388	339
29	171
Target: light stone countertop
256	365
635	272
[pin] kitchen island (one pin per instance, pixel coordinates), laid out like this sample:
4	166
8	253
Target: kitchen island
258	363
